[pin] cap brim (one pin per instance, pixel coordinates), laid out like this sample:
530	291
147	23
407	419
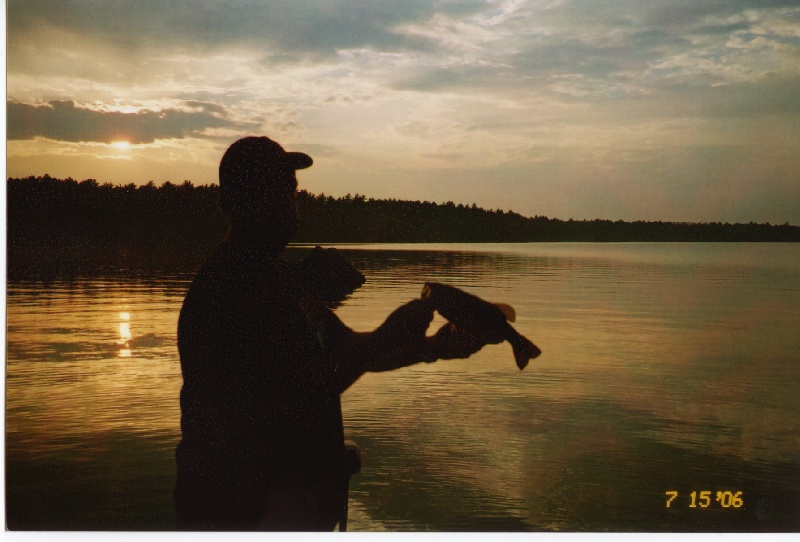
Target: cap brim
298	160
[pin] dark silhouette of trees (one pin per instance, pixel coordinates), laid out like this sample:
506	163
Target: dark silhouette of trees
67	223
357	219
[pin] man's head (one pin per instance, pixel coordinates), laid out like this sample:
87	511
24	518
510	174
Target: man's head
258	187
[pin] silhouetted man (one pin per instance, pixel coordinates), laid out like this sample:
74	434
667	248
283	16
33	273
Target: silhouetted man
264	364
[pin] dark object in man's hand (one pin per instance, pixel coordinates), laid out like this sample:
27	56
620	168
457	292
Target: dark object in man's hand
485	319
328	276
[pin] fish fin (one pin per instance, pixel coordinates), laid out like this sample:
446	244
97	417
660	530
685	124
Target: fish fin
524	350
507	310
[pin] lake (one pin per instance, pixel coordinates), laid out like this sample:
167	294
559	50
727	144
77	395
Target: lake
666	397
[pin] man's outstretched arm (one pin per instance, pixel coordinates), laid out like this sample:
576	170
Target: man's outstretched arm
399	342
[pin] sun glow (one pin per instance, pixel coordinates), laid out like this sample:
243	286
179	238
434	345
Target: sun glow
124	342
121	145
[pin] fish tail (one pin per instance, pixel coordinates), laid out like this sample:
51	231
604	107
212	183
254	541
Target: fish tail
524	350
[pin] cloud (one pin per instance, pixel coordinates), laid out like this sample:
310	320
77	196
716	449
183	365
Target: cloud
64	120
620	47
623	62
277	26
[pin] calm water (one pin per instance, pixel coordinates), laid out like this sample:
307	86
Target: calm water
666	367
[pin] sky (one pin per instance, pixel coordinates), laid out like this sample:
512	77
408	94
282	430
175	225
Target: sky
668	110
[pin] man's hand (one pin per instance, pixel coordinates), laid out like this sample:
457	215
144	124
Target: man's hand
405	328
452	342
400	340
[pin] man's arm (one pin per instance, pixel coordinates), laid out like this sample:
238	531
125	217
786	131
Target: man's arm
399	342
349	354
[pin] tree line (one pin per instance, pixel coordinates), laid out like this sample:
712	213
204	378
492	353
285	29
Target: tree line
63	220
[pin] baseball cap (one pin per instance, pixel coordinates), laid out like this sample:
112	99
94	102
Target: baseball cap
252	161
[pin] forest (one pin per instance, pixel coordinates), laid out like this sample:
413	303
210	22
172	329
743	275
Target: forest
64	222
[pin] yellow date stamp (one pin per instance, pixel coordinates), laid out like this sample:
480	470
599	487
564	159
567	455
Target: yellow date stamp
708	499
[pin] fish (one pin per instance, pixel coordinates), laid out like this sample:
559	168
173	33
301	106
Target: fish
490	319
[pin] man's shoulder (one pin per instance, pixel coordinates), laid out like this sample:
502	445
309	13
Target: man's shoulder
234	271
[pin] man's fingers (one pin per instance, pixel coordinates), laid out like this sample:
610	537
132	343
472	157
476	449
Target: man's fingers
454	341
416	314
407	324
466	336
421	308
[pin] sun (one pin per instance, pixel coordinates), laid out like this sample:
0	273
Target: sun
121	144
